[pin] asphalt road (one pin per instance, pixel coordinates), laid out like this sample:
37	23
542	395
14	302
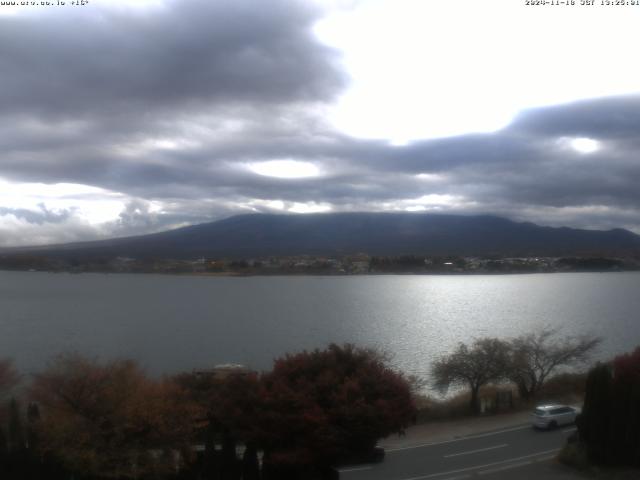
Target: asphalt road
518	452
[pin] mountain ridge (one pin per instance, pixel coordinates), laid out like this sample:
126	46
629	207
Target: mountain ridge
374	233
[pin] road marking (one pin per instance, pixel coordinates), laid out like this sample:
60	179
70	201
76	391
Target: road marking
506	467
516	465
476	451
567	430
470	437
477	467
354	469
544	459
459	477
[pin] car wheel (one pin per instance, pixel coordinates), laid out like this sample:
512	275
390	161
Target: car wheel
553	425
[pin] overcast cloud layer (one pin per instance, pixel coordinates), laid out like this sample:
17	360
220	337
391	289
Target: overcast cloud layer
119	122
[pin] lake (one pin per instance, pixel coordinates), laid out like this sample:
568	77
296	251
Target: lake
176	323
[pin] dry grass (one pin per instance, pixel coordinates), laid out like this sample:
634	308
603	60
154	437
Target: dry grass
564	388
567	388
455	406
430	408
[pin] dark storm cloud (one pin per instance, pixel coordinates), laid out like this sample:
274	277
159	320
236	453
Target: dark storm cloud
173	104
104	62
606	118
80	89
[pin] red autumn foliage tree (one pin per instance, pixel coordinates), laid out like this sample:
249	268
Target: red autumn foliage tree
324	406
225	403
108	420
626	367
228	409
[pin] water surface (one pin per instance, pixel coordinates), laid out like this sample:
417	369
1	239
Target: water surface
174	323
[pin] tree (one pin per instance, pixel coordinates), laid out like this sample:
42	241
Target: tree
535	357
33	416
625	400
103	420
8	379
228	405
16	437
484	362
8	376
609	425
324	406
593	422
250	464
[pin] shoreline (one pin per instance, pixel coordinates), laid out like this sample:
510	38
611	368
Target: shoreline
319	274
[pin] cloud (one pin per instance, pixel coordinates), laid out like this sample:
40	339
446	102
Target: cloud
604	118
29	228
119	122
39	217
113	62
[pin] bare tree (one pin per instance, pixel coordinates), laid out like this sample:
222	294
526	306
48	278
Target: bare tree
484	362
536	356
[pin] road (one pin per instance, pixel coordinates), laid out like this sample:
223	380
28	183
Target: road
492	456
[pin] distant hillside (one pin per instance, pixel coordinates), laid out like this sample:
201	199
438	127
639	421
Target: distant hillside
259	235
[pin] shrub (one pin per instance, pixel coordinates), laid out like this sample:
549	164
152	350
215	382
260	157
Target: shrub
609	425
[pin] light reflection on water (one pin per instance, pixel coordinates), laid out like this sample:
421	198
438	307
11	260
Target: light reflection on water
174	323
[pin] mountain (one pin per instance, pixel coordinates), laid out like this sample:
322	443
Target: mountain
259	235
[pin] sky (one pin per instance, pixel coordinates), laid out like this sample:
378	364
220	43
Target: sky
125	117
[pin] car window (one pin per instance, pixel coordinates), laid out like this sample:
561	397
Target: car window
539	411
